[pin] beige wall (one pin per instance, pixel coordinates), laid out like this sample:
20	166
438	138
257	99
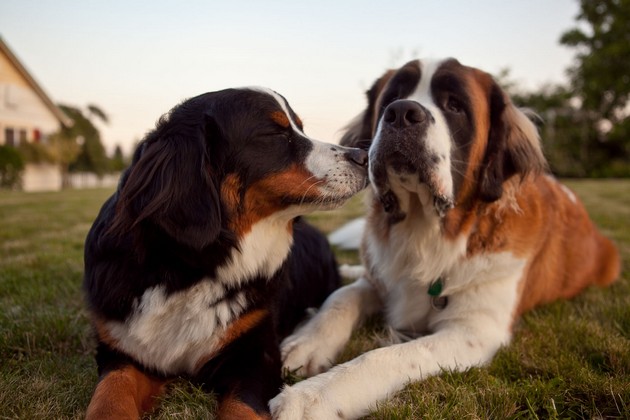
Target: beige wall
41	177
21	109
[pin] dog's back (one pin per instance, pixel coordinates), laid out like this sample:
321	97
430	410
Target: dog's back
568	253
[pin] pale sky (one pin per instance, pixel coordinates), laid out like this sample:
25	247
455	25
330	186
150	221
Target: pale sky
137	59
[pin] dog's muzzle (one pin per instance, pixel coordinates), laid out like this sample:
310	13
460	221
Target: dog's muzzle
401	148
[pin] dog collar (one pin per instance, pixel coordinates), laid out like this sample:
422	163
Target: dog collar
435	290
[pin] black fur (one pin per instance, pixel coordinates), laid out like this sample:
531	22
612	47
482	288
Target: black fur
166	225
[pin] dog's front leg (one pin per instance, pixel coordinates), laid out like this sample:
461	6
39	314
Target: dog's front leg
312	348
124	393
351	389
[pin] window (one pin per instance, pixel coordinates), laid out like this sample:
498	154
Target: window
9	137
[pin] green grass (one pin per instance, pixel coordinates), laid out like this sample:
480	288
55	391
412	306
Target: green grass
567	359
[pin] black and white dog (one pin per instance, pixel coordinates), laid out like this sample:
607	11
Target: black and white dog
199	263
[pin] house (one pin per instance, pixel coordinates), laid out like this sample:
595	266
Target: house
27	114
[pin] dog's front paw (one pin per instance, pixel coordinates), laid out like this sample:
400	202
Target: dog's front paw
302	401
306	354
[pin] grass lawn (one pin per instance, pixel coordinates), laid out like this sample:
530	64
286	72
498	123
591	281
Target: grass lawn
567	360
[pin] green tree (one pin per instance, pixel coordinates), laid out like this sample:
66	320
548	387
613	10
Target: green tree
564	129
117	163
64	149
91	156
11	168
601	79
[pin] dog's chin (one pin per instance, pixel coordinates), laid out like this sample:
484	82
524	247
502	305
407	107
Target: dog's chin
431	197
442	205
329	198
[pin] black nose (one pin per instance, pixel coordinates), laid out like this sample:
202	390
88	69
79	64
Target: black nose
404	113
358	156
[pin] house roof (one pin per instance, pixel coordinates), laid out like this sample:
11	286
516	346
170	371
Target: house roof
58	113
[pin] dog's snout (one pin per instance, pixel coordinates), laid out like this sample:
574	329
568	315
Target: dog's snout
358	156
404	113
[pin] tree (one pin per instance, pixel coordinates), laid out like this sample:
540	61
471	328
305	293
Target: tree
11	167
91	156
94	110
64	149
564	129
601	79
117	162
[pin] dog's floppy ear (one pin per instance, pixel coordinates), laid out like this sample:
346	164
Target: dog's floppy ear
513	146
170	185
360	131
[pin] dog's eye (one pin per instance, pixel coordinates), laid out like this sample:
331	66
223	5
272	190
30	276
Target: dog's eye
454	105
275	135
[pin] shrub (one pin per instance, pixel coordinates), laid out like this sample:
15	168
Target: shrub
11	168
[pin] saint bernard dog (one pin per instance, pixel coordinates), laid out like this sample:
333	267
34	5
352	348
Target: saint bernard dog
465	231
199	264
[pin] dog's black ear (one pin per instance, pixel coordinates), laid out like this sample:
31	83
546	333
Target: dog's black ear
170	184
360	131
513	146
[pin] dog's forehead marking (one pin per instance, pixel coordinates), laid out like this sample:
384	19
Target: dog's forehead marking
422	93
282	120
285	107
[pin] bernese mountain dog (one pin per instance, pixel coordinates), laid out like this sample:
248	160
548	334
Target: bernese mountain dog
200	263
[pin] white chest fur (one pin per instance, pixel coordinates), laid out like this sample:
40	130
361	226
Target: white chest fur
171	333
403	268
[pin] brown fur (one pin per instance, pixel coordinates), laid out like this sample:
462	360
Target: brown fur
232	408
281	119
124	394
234	331
263	198
505	203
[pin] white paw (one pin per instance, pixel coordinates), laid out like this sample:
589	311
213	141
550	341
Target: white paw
303	401
307	354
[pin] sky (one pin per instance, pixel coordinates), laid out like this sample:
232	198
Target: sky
137	59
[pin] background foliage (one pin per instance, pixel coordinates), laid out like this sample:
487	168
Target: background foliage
11	166
586	129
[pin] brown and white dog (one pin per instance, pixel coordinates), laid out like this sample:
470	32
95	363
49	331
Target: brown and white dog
465	231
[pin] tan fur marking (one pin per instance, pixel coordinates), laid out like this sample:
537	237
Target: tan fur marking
567	251
124	393
478	84
242	325
232	408
234	331
230	189
281	119
266	196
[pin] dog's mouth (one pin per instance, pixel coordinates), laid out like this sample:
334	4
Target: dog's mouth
337	190
332	174
414	174
330	192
